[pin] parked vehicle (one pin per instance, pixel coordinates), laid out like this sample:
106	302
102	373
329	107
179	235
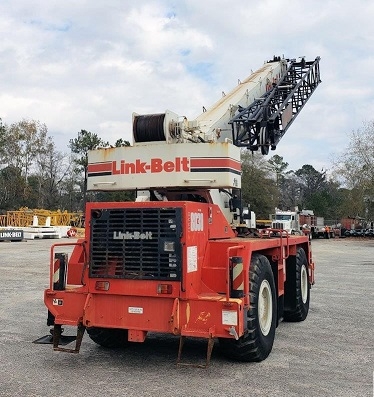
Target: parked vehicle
301	222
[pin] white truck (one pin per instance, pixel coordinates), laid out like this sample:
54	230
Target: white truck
301	222
288	221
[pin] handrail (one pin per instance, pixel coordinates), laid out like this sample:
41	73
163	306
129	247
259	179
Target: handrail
51	263
237	247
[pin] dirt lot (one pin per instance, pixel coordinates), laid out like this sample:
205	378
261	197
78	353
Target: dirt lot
329	354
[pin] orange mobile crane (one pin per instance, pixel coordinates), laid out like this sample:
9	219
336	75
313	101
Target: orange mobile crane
180	258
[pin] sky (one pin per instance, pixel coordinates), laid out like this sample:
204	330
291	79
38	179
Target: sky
89	65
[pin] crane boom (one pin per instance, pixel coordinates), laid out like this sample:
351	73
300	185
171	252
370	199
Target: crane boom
216	119
255	114
265	121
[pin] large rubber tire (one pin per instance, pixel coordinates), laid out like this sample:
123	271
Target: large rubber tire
302	289
257	342
108	337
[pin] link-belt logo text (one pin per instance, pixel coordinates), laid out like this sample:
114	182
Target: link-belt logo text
132	236
153	166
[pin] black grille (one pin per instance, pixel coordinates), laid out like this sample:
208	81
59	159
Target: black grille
136	243
278	225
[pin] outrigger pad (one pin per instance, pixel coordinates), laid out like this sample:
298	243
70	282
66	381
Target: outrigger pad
48	340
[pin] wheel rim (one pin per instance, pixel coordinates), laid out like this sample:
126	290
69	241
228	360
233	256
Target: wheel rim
304	284
265	307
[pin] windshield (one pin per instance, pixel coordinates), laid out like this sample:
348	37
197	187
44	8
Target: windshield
283	217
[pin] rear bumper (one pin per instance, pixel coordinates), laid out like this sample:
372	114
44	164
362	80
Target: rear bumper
205	316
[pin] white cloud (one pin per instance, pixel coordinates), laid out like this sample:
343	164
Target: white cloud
89	65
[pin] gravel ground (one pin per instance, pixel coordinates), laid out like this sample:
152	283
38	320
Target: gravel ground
329	354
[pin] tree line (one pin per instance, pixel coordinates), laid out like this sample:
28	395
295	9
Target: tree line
35	174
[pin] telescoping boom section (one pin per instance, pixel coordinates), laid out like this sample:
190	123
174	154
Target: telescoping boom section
184	257
264	122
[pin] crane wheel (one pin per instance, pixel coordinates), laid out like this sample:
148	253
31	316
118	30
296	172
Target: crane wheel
108	337
298	286
257	341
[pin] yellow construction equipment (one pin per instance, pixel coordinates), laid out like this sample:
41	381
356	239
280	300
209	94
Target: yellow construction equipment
25	217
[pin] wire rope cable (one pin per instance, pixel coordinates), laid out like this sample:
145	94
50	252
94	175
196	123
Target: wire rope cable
150	127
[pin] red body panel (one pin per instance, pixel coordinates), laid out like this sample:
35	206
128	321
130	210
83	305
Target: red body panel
198	304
